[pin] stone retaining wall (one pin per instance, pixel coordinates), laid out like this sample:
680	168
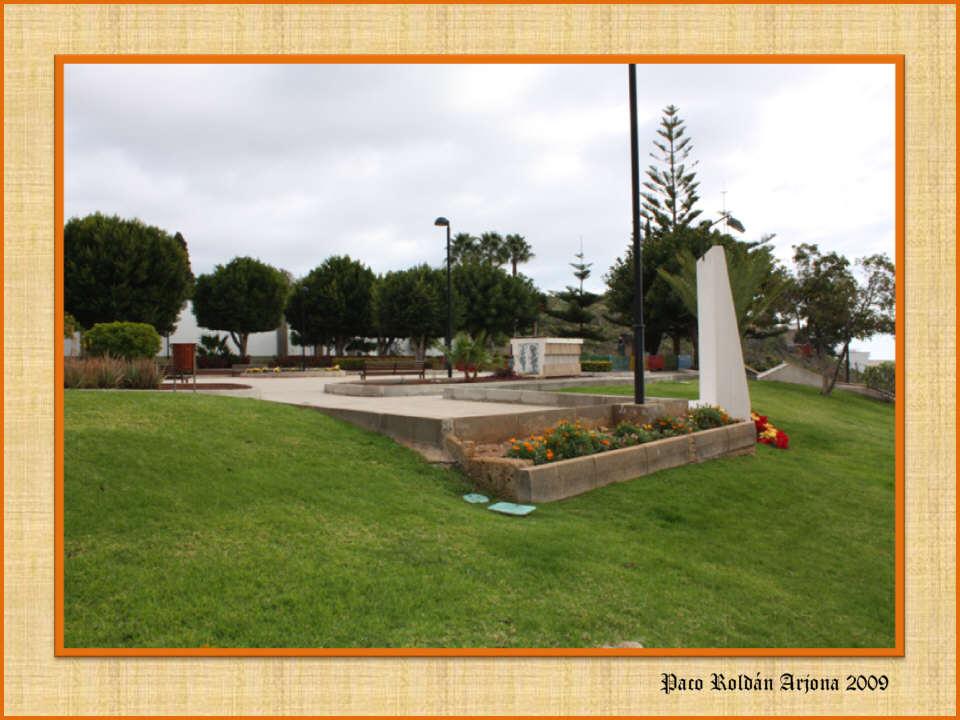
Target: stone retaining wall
405	428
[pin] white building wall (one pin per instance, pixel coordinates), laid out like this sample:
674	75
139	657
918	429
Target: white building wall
859	359
263	344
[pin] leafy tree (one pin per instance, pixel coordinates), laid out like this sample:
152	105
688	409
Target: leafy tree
334	301
575	303
492	301
242	297
665	310
518	251
833	308
411	304
671	183
124	270
70	326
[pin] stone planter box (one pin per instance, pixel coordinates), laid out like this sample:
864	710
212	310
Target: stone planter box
546	357
524	482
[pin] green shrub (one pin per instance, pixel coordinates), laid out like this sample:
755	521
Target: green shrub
670	362
351	363
882	377
596	365
708	416
125	340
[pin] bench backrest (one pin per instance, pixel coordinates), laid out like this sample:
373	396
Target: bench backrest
377	364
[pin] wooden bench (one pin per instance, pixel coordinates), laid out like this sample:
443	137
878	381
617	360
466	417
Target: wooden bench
393	367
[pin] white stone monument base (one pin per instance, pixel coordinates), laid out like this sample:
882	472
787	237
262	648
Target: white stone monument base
546	357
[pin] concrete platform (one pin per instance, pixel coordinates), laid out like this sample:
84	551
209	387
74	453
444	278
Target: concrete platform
311	391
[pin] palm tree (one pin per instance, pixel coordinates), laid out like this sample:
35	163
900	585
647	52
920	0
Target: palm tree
464	248
519	251
754	284
492	249
468	352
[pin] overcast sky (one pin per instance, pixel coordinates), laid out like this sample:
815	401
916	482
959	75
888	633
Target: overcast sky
293	163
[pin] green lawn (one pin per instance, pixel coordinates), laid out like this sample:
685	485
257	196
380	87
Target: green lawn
196	520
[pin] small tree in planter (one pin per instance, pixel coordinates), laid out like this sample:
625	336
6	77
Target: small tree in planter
467	353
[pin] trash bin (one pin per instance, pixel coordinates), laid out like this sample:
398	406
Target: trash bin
184	362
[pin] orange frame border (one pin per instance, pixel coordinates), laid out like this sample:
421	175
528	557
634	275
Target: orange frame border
60	61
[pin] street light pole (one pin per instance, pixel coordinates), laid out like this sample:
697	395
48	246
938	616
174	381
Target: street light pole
638	389
443	222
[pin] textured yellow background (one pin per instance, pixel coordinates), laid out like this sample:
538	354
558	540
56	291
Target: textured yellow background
37	683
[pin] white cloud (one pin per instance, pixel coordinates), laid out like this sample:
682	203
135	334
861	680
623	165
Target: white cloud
294	163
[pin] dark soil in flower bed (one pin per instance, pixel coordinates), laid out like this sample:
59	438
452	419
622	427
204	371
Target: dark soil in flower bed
205	386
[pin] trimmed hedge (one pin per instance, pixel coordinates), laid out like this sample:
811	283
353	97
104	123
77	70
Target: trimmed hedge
127	340
596	366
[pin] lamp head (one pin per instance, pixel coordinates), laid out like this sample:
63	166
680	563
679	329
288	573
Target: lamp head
441	222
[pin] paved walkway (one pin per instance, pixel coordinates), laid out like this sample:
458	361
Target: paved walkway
309	391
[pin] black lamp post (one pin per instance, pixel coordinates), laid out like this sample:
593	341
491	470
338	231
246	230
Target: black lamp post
443	222
638	389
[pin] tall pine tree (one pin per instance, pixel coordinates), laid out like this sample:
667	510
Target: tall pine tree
671	184
576	301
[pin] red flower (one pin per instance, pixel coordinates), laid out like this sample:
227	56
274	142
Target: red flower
782	440
760	422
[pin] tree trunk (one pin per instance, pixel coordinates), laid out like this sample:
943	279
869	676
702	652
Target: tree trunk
339	344
240	340
676	344
419	348
831	381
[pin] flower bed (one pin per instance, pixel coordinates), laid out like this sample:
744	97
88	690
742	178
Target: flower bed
571	439
652	437
278	370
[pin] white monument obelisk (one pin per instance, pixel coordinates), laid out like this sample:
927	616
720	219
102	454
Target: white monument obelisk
723	380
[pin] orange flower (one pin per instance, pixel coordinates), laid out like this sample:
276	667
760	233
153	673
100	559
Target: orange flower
549	454
516	448
604	442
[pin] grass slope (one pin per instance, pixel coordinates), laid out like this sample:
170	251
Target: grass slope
197	520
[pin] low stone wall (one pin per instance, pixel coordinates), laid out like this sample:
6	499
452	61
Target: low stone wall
545	397
361	389
400	388
405	428
785	372
522	481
